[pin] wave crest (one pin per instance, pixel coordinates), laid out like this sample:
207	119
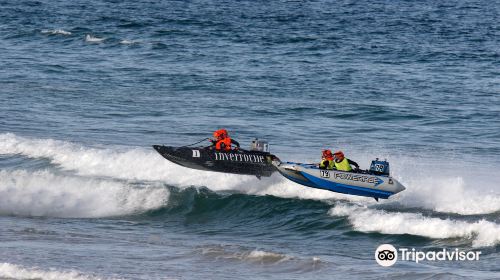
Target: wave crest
43	193
430	190
91	39
482	233
12	271
56	32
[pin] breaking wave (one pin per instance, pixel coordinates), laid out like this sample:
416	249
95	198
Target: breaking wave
117	181
12	271
481	233
43	193
91	39
449	195
56	32
128	42
146	165
261	257
427	189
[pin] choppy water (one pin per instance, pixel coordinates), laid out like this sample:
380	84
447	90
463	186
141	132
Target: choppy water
86	87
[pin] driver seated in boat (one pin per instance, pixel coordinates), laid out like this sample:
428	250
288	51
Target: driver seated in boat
222	141
327	160
342	163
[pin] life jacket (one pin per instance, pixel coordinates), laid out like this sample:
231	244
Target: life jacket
327	163
343	165
223	144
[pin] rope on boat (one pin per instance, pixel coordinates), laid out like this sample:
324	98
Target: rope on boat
196	142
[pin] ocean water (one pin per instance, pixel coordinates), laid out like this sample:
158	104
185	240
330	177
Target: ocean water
86	87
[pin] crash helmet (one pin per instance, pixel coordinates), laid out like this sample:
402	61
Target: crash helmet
220	134
327	154
216	134
224	133
339	155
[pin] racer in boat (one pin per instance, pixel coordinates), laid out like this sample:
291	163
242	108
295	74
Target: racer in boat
342	163
222	141
327	160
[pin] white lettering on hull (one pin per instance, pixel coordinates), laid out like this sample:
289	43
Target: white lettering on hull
240	157
358	178
196	153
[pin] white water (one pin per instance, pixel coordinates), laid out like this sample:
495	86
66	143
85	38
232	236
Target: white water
442	190
56	32
12	271
43	193
105	177
258	256
92	39
482	233
128	42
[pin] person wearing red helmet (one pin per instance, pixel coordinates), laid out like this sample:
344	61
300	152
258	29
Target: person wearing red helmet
327	160
342	163
222	141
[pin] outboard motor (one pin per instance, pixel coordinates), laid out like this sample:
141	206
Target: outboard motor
259	146
379	167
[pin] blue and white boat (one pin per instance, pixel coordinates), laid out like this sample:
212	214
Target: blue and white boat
376	182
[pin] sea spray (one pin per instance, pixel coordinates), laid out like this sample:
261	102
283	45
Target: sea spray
43	193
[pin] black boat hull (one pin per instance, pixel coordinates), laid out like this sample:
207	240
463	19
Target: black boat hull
205	158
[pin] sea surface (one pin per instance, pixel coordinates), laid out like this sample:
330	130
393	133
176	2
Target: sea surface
86	87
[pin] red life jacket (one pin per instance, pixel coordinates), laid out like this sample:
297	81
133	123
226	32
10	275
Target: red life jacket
223	144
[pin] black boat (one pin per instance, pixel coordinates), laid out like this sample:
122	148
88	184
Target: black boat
257	161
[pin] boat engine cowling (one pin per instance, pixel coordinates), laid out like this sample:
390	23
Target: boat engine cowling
259	146
379	167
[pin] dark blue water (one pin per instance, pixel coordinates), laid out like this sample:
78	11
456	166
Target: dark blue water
86	87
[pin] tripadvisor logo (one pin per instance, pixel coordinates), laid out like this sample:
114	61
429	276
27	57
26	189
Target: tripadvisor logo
387	255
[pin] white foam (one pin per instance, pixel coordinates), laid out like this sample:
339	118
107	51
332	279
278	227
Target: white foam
449	195
241	254
148	165
462	186
92	39
482	233
128	42
43	193
454	191
56	32
132	164
263	256
12	271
